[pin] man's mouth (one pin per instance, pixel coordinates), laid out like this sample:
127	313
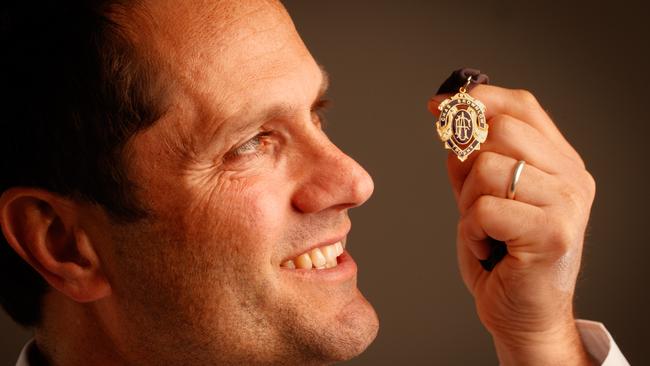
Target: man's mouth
317	258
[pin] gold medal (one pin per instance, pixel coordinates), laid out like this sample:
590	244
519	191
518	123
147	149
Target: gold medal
461	126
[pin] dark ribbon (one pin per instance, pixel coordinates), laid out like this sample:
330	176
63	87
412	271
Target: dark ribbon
454	82
458	79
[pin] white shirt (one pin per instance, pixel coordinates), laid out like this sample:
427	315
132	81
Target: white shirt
596	339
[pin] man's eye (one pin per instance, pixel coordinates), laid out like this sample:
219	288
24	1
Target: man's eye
250	147
318	111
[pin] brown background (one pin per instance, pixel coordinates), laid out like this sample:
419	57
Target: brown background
587	63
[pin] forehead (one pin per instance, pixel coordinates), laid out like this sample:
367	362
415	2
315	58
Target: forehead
227	53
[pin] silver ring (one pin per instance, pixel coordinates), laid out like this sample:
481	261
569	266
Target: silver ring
515	179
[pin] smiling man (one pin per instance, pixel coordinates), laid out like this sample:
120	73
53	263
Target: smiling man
236	185
169	196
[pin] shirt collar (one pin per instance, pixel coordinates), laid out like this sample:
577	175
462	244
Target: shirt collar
23	359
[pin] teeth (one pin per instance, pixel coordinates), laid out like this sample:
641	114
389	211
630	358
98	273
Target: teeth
330	254
319	258
288	264
303	261
338	248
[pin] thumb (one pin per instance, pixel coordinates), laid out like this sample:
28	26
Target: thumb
435	101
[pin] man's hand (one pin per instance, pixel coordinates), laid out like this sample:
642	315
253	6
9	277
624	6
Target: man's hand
526	301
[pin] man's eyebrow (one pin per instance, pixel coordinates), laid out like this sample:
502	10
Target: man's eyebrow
278	111
325	82
283	110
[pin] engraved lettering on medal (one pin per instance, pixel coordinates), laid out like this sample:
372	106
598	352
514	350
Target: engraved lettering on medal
462	126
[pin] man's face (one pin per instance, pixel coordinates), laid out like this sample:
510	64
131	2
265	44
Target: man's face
240	179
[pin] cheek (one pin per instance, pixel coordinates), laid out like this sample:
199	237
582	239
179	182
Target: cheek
259	207
211	252
242	220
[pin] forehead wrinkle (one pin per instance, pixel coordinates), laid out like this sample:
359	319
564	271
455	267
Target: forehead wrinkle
212	101
212	113
184	41
285	109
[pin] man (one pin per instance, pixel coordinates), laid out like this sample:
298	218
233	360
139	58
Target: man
167	181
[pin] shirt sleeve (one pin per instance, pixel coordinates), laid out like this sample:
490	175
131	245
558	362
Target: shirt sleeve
599	344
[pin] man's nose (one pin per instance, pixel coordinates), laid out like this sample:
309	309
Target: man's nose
330	179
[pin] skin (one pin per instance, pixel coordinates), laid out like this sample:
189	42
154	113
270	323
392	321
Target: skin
241	204
200	282
526	302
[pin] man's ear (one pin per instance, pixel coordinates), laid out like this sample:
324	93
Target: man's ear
47	231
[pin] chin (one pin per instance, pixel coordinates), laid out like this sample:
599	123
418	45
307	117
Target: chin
358	328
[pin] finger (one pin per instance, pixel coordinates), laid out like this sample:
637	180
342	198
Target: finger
520	104
458	170
492	174
471	269
516	223
511	137
435	101
517	103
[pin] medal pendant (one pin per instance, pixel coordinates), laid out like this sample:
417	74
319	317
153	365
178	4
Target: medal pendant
461	126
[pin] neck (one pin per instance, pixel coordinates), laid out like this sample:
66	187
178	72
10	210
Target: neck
74	334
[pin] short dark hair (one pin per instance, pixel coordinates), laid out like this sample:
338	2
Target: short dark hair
74	90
